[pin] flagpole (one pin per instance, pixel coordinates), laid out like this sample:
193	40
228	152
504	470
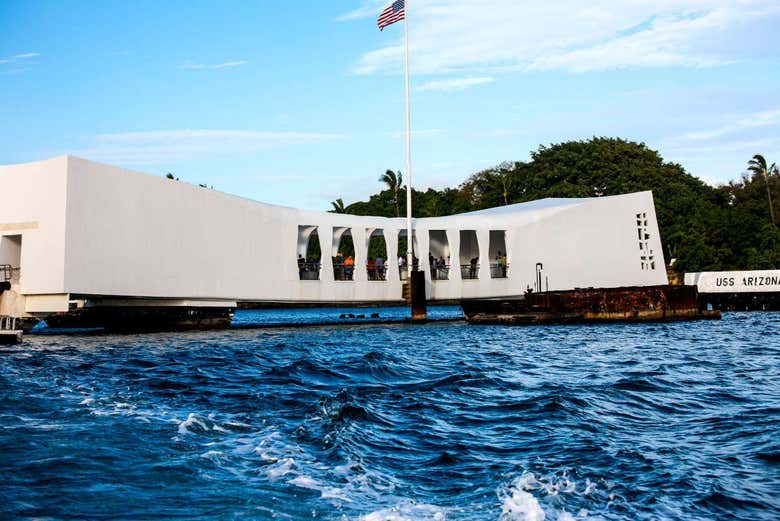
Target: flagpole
409	236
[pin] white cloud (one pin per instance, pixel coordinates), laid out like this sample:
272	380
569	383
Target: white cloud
748	147
368	9
168	146
455	84
767	118
223	65
497	35
25	56
18	57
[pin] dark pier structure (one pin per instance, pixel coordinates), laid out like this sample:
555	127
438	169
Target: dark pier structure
591	305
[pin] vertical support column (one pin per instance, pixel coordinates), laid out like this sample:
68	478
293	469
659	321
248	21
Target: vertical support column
325	236
391	241
453	239
361	254
423	250
483	239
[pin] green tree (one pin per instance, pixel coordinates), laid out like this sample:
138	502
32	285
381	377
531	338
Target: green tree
758	165
338	206
394	182
702	227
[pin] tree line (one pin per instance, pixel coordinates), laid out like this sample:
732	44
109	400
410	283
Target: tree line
703	228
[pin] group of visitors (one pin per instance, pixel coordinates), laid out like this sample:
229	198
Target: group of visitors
440	268
403	265
376	268
308	269
343	268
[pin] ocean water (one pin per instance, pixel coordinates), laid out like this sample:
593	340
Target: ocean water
443	421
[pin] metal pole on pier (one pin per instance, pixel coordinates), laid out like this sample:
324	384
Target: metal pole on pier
416	278
409	231
395	12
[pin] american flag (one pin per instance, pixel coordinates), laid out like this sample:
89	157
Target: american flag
393	13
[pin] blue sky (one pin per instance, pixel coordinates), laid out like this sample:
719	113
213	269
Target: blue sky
301	102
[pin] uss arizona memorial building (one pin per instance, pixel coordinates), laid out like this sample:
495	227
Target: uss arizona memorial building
75	230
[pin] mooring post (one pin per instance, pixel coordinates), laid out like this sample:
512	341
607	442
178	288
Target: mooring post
419	304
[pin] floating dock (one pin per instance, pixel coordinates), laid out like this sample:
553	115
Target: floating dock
591	305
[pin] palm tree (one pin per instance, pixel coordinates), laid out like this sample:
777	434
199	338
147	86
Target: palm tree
758	165
338	206
504	172
394	182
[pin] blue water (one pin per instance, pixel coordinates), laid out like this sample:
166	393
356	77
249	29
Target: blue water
396	422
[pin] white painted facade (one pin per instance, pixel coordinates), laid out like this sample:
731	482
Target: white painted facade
80	229
755	281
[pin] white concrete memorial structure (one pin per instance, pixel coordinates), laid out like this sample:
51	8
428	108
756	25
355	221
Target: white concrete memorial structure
76	232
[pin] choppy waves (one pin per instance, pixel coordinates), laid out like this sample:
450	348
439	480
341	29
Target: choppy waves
380	423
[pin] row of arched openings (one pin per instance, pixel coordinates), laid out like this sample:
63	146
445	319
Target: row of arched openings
440	262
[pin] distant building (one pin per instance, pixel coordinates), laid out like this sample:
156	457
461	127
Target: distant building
78	233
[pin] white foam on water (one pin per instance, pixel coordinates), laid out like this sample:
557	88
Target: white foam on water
334	493
407	511
517	504
191	421
305	481
211	454
521	506
281	468
48	426
238	425
326	492
520	502
87	401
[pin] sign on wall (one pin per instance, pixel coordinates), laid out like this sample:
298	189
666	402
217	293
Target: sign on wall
735	281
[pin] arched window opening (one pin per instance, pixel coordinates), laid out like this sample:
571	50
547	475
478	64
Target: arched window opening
309	253
439	255
402	261
469	255
343	254
499	264
10	258
376	263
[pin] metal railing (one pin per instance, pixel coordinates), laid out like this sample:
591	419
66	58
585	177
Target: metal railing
376	272
440	273
499	270
9	323
8	273
309	270
469	271
343	271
